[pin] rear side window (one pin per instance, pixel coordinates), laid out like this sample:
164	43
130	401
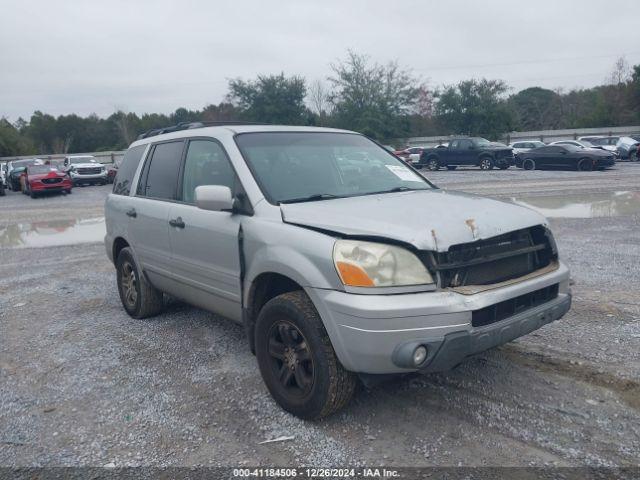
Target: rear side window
160	179
127	169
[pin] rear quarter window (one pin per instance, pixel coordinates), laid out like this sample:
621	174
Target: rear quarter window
127	169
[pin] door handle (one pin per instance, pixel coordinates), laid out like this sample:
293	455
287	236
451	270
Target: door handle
132	213
177	222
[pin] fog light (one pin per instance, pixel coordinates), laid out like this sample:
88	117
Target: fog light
419	355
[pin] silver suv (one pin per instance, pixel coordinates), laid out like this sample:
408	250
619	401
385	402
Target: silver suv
85	169
339	260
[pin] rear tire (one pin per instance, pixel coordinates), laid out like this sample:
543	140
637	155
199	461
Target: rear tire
297	361
139	298
433	164
529	164
584	165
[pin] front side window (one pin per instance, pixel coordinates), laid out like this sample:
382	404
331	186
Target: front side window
162	174
205	164
465	144
305	166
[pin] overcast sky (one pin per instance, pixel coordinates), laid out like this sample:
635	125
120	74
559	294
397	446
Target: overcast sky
91	56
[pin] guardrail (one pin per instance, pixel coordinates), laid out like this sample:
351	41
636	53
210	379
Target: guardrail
102	157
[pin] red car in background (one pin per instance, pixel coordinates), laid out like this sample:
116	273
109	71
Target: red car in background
112	170
410	154
37	179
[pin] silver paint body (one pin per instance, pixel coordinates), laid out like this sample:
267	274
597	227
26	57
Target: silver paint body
201	263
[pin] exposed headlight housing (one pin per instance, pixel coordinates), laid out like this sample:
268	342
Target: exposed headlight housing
368	264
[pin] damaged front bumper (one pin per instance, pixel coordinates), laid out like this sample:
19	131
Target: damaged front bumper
377	334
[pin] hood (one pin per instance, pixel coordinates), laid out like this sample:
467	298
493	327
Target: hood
426	219
50	174
86	165
600	152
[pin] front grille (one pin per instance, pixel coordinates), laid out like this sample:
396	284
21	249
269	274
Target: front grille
51	180
508	308
496	259
89	171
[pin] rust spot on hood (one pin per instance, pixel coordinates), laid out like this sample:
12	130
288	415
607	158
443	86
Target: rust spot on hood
471	223
435	239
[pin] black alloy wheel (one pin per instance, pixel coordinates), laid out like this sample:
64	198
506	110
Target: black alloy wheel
528	164
291	360
585	165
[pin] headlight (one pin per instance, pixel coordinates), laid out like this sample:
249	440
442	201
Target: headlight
367	264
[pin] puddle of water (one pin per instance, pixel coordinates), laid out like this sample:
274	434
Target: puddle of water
616	204
55	233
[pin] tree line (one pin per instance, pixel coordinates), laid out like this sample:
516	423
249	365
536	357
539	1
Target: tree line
383	101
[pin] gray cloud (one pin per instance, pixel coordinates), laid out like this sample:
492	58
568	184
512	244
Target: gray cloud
88	57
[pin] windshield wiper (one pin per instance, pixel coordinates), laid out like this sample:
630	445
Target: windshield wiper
394	190
311	198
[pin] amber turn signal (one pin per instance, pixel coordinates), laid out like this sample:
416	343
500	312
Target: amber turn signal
353	275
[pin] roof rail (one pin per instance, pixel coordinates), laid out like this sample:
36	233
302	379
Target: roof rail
189	126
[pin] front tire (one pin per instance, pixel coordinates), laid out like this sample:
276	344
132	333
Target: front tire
584	165
139	298
486	163
297	361
433	164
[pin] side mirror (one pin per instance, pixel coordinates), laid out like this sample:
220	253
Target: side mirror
215	198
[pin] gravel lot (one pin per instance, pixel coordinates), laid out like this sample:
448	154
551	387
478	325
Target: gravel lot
84	384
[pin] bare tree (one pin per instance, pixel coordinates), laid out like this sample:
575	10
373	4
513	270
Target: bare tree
621	72
318	98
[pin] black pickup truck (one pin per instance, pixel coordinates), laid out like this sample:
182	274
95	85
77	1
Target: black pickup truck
473	151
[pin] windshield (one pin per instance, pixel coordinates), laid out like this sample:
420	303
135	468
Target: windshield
481	141
305	166
74	161
572	148
24	163
37	169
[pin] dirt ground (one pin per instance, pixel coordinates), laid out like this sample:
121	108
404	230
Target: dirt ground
81	383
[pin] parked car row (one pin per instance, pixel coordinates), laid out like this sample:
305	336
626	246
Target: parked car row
34	176
625	147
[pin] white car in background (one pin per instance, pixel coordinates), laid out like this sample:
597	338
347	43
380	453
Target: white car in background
411	154
85	169
604	143
521	147
576	143
3	178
